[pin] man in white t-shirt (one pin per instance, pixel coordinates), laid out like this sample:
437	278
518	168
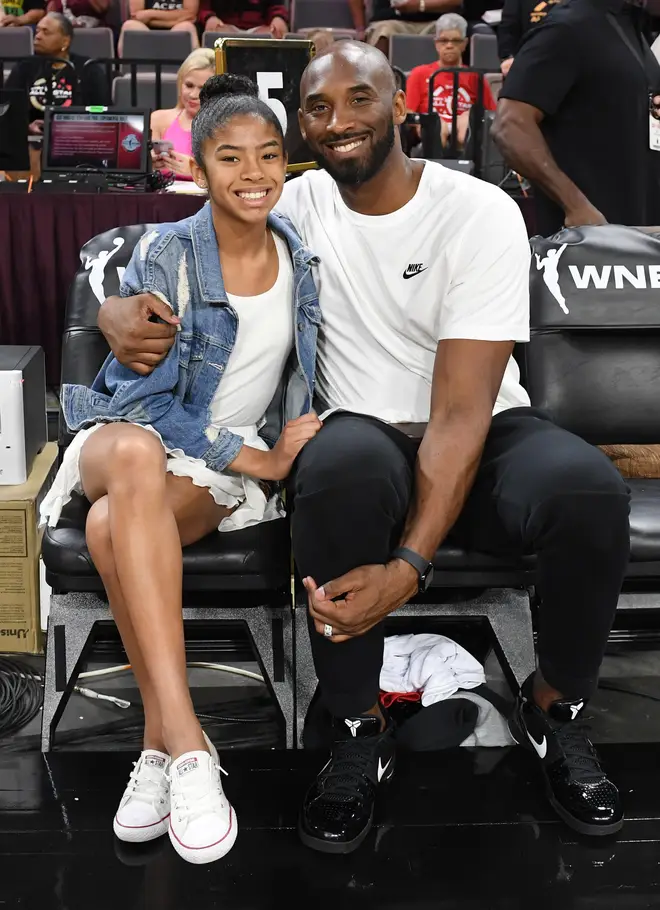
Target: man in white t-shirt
428	435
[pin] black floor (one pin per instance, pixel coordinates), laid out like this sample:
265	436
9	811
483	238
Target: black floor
464	829
458	830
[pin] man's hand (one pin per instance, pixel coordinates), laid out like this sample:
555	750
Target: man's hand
505	65
366	596
136	342
278	27
583	215
36	128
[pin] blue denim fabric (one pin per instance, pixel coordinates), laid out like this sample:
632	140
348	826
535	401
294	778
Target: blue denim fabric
180	264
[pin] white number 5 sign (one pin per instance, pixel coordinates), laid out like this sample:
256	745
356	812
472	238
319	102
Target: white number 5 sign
266	82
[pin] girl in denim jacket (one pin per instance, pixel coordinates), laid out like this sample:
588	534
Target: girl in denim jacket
167	458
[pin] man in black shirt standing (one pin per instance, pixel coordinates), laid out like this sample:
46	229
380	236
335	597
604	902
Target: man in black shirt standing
577	116
518	16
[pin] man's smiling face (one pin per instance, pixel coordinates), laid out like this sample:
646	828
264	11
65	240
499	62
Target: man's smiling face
349	110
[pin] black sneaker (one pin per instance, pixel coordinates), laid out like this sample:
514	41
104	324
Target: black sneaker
576	785
338	810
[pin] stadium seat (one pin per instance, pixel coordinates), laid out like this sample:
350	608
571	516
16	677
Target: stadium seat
157	45
409	51
483	53
14	42
146	95
321	14
93	43
244	575
596	371
495	81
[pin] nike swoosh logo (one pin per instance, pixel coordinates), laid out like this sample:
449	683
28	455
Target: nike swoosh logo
382	769
541	748
408	274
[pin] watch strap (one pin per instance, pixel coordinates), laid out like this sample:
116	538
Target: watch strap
412	558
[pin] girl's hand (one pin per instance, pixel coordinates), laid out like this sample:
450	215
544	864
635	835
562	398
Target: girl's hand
295	435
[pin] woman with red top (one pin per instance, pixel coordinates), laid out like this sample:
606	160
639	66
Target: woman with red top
81	13
451	42
245	16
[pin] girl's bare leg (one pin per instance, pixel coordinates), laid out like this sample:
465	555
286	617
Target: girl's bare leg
140	519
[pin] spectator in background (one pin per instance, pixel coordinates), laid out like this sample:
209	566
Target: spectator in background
398	17
81	13
451	42
175	125
575	117
322	39
21	12
174	15
73	84
518	16
245	16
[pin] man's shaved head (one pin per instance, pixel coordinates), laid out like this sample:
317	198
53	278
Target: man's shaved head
365	60
350	106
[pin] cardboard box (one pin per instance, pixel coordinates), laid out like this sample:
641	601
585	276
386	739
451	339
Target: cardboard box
20	544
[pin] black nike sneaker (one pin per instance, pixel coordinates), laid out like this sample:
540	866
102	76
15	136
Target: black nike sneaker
338	810
576	785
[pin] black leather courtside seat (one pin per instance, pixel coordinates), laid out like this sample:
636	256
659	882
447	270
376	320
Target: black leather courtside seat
596	368
249	570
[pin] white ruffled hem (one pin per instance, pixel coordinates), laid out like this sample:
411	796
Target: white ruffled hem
234	491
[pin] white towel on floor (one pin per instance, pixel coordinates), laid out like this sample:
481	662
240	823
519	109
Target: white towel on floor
432	664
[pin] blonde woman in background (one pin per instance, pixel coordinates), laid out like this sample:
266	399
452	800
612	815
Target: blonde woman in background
170	129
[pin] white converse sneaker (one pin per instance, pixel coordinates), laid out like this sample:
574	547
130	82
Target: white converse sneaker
203	824
144	810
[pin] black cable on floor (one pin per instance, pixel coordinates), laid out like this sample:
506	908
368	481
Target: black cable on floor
21	695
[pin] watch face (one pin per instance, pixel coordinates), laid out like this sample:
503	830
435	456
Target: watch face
426	578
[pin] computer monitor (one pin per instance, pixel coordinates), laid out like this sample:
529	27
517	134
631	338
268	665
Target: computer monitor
14	119
96	138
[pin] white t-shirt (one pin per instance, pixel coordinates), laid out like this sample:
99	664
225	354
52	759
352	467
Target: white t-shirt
452	263
263	342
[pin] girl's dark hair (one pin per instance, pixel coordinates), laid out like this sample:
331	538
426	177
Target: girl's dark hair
224	97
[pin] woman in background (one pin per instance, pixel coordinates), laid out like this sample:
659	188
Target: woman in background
174	125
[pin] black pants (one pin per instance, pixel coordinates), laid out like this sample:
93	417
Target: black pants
539	489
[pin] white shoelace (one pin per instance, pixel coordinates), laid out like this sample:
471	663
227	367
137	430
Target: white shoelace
196	799
146	783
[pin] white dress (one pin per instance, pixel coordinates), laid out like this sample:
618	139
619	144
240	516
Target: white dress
264	340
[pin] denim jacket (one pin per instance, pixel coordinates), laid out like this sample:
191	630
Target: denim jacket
179	263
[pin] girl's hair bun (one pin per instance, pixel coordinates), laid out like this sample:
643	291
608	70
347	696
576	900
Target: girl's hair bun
227	84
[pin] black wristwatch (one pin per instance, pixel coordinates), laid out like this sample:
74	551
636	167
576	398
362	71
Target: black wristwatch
423	567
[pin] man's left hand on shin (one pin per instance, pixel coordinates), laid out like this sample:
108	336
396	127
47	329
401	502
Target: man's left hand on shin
359	600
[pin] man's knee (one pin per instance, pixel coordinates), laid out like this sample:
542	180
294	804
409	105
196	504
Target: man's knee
351	452
586	497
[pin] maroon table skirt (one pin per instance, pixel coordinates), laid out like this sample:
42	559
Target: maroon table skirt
40	241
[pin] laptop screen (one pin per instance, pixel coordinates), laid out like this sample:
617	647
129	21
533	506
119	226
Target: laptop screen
107	140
